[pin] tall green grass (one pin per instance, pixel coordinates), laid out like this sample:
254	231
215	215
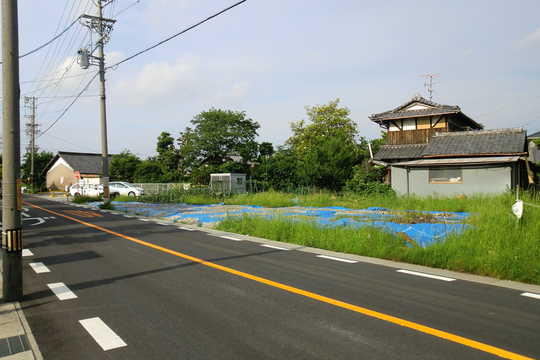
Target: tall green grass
191	196
495	245
82	199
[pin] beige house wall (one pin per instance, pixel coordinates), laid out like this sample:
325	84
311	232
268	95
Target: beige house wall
420	123
60	177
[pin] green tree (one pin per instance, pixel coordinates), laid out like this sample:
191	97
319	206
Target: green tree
148	171
266	149
217	137
325	121
123	166
41	159
325	148
278	171
168	157
329	164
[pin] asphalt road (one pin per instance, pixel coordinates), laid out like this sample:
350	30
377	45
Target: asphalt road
150	291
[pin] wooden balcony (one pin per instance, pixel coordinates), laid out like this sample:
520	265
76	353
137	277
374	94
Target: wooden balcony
411	136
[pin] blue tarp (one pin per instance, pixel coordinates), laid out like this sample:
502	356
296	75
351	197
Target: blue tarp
436	226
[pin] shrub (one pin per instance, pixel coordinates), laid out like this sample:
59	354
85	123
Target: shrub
82	199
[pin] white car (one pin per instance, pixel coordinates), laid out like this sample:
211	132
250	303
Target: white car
86	190
124	188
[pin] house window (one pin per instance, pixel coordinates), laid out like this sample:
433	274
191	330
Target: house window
446	176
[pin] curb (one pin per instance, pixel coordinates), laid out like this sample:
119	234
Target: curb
29	335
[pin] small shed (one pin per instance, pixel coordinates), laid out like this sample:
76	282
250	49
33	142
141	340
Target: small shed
230	183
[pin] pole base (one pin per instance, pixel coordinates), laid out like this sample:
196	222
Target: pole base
12	278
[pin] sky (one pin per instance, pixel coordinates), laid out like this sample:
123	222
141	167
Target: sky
271	59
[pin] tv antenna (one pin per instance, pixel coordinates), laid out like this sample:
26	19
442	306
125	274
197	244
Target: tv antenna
428	84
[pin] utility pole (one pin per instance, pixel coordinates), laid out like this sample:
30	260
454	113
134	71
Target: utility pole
11	200
32	130
102	27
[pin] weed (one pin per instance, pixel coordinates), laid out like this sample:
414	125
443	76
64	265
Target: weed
107	205
82	199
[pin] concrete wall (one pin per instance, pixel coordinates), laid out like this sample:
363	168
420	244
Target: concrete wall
59	177
475	181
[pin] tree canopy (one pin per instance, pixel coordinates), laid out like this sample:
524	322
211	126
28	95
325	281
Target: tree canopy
124	166
217	137
41	159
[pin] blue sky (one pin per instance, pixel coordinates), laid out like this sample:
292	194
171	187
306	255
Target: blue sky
273	58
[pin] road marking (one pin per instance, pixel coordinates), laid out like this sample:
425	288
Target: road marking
143	219
531	295
39	267
338	303
186	228
274	247
337	259
84	214
102	334
27	252
229	238
426	275
61	291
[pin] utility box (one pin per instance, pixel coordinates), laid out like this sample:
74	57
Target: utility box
228	183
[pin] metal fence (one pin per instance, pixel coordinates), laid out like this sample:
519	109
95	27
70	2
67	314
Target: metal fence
157	188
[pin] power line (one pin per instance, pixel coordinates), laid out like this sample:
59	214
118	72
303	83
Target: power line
70	105
48	42
126	8
65	96
177	34
53	79
71	143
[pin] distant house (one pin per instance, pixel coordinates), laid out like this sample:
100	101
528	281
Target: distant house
67	168
436	149
534	151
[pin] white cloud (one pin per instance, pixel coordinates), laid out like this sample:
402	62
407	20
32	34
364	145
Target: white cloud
185	79
531	39
159	79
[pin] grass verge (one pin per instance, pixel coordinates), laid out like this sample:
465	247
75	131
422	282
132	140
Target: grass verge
496	244
85	199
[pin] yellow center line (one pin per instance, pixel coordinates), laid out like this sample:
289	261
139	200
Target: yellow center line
358	309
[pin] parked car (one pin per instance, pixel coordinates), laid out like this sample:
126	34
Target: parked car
124	188
86	190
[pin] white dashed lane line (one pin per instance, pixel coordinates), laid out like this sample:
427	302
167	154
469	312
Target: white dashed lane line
337	259
39	267
230	238
274	247
61	291
531	295
27	252
437	277
102	334
186	228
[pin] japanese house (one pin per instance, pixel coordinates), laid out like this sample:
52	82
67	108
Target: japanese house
435	149
67	168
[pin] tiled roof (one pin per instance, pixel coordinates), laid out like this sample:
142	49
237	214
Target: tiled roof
85	163
432	109
486	142
391	152
400	112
